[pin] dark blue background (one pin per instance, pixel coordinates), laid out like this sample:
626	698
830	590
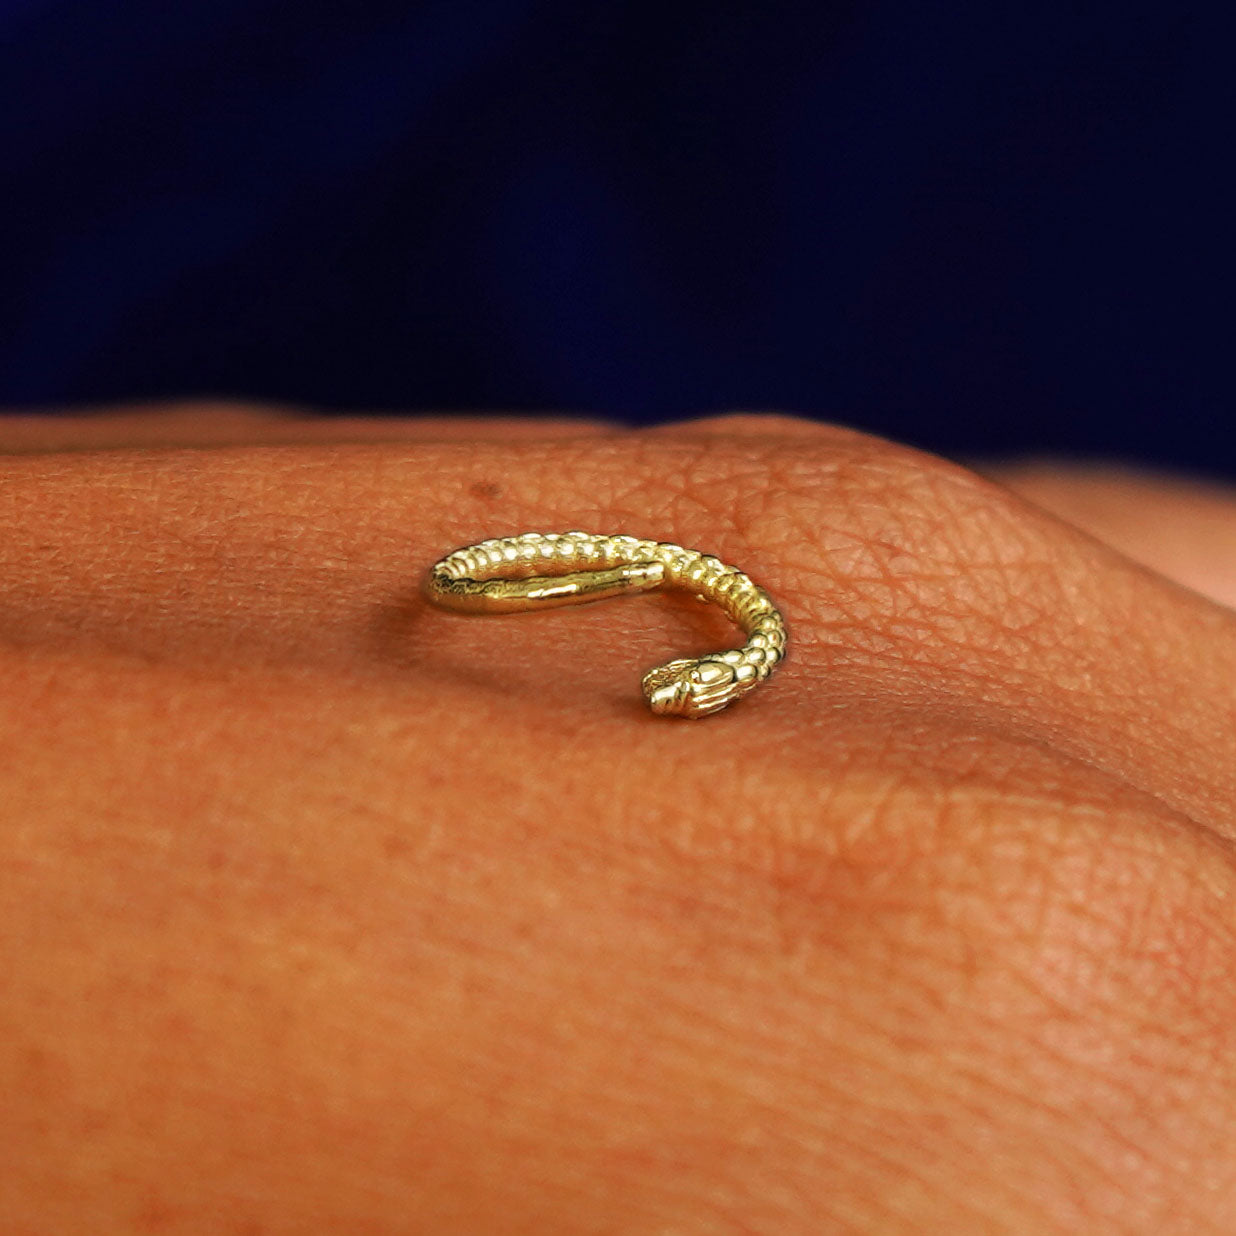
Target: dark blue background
975	226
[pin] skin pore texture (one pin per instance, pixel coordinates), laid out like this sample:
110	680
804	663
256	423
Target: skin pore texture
324	910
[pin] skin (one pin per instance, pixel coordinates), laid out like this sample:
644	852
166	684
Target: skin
323	910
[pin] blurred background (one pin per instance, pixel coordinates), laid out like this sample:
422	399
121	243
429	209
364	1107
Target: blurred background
982	228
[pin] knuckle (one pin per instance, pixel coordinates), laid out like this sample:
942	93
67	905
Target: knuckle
1094	936
1125	918
887	552
1067	967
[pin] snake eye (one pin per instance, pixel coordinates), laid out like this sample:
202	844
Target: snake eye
668	686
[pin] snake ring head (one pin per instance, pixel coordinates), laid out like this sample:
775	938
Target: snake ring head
694	687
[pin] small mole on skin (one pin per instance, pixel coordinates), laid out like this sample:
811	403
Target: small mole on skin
486	490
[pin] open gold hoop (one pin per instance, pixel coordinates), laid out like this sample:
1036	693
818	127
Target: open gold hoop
541	570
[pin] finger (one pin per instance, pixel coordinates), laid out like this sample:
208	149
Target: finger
756	425
1182	527
218	423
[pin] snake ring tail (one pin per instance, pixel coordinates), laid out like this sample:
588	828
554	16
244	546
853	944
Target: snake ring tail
542	570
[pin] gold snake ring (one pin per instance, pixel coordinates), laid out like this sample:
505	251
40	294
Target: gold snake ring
541	570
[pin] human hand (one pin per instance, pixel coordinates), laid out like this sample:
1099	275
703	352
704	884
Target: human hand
323	910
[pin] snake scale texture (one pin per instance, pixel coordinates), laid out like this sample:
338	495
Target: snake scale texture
538	570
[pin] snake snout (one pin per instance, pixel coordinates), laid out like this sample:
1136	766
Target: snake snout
692	687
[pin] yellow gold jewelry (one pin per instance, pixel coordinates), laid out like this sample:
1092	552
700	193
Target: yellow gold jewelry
501	576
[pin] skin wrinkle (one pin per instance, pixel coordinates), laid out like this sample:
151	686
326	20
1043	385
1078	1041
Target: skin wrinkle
1053	1150
857	1144
864	619
1136	1104
991	1086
